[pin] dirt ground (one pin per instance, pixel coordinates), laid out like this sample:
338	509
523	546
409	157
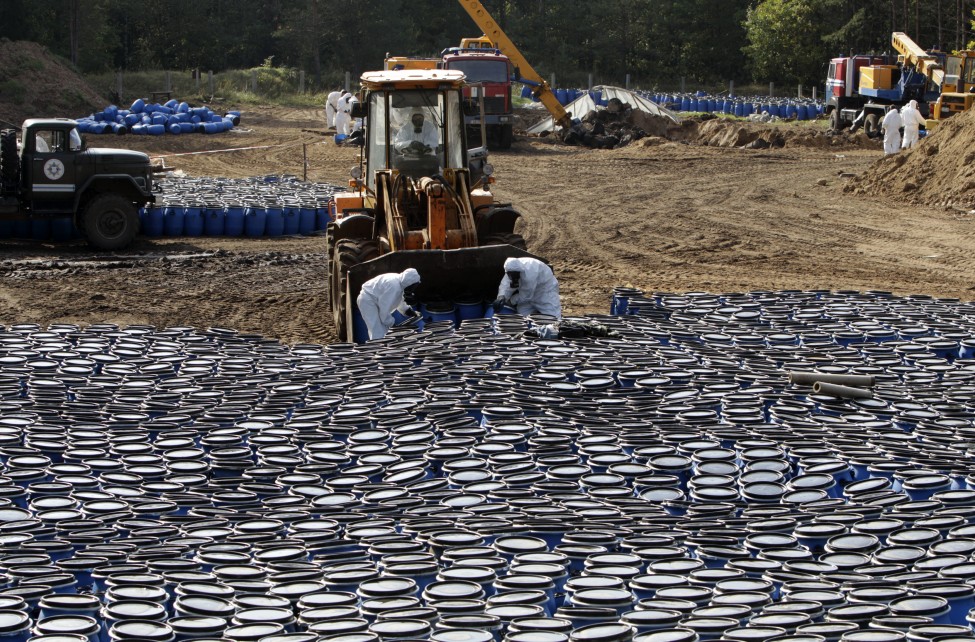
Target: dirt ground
657	215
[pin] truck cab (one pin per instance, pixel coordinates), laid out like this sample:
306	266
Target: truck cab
52	174
488	74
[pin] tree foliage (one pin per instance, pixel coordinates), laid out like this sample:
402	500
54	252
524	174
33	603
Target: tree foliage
652	41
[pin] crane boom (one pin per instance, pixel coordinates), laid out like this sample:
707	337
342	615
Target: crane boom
918	57
542	89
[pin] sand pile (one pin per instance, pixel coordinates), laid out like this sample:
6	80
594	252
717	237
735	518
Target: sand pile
938	172
34	83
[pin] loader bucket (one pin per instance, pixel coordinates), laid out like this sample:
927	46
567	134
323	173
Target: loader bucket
445	275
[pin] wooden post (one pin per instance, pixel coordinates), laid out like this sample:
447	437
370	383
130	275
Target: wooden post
210	80
169	81
814	93
348	81
590	81
304	161
551	82
771	89
627	86
799	95
683	84
198	75
118	85
731	88
301	81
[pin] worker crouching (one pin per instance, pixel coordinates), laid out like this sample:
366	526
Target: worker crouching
529	286
385	294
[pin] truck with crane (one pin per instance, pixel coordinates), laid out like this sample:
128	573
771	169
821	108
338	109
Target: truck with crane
862	89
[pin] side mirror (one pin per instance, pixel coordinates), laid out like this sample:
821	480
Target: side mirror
359	110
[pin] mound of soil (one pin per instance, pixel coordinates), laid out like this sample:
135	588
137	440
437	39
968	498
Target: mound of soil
34	83
938	172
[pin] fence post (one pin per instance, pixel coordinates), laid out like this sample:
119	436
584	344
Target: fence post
210	80
169	81
253	81
627	81
118	85
814	93
590	81
551	82
800	91
301	81
731	88
198	75
304	161
348	80
682	83
771	89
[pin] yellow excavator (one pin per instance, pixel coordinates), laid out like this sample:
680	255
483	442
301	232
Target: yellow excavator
423	204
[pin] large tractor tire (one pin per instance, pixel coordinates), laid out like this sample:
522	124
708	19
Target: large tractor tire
110	222
871	126
516	240
346	254
835	123
505	136
9	161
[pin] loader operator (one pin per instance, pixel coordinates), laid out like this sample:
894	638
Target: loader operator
384	294
529	286
418	135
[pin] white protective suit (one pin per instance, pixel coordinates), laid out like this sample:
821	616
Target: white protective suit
913	120
332	107
891	127
380	296
407	134
538	289
343	118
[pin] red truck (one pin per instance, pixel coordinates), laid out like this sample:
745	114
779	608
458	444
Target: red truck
489	72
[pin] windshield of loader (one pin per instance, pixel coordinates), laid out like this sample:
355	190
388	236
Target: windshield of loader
415	131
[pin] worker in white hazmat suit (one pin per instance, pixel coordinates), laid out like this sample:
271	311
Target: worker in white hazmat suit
912	119
343	117
332	107
384	294
529	286
418	135
891	127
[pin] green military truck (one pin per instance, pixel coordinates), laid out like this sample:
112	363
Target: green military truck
52	174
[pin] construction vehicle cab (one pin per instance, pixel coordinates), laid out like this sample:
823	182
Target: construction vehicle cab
414	202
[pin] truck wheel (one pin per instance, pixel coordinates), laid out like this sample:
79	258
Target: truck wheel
347	253
834	121
9	162
516	240
110	222
871	125
505	136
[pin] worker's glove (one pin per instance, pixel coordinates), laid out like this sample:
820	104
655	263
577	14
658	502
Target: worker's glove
416	146
498	304
411	313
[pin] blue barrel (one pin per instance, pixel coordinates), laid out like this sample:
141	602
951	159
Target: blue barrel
470	310
322	218
175	215
213	218
186	128
40	229
685	104
174	129
255	219
439	312
156	130
694	104
292	219
526	91
773	110
307	215
193	221
728	107
234	221
155	221
739	110
62	229
274	223
360	332
802	113
137	106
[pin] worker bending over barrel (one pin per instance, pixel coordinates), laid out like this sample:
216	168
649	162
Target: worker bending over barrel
529	286
384	294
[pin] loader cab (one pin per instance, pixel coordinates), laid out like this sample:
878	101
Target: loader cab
415	123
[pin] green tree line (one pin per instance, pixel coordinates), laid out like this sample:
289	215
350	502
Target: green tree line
652	41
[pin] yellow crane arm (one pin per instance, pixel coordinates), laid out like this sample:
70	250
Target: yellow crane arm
543	91
915	55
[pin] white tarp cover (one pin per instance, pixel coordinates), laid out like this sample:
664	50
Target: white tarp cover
584	104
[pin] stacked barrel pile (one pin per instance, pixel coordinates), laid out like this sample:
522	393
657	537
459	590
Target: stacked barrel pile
666	483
